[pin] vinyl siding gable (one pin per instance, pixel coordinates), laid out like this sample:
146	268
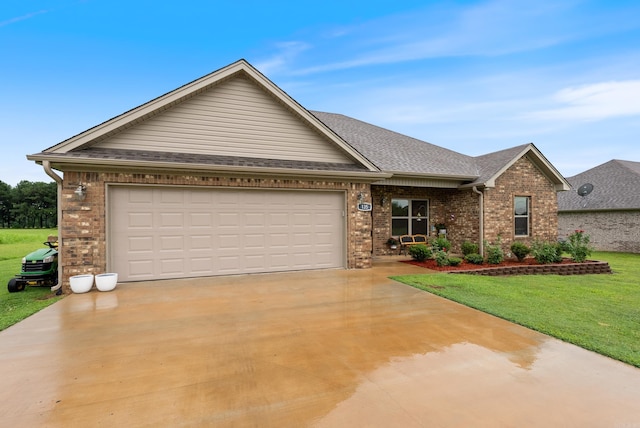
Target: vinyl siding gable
234	118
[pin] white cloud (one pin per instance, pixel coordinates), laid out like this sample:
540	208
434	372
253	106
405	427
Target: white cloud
22	18
593	102
488	28
287	51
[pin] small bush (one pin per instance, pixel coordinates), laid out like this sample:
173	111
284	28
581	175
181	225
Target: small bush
546	252
578	246
495	255
455	261
420	252
520	250
565	246
474	258
442	259
469	248
441	243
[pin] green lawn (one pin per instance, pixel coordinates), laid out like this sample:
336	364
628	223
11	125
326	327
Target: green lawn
596	312
14	245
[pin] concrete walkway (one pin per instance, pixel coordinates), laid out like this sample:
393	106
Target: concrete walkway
325	348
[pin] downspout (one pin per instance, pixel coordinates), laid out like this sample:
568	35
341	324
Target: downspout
481	228
47	168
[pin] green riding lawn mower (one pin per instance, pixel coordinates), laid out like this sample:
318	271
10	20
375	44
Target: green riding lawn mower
39	268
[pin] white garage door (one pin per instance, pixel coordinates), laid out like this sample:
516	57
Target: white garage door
161	233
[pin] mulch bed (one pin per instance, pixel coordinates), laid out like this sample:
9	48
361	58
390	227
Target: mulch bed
431	264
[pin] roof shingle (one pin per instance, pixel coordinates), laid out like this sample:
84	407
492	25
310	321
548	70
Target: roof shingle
616	186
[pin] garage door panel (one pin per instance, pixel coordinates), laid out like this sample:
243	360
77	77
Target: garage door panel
171	198
279	240
140	268
139	196
171	243
163	232
171	266
202	265
140	220
169	219
200	242
228	219
139	244
200	219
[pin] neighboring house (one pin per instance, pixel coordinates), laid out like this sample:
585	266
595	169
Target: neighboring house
610	213
229	175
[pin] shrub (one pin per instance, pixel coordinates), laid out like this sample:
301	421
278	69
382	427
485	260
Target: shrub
474	258
420	252
469	248
495	255
546	252
455	261
441	243
578	246
442	259
520	250
565	247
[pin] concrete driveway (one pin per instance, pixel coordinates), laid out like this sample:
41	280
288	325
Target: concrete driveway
325	348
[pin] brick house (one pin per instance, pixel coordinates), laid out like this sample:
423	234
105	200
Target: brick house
229	175
610	213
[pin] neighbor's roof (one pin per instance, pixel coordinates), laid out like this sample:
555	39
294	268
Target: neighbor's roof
616	186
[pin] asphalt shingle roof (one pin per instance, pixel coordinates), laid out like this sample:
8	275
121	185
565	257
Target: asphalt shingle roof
394	152
616	185
490	164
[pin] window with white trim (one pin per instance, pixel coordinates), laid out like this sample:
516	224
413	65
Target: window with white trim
409	217
521	215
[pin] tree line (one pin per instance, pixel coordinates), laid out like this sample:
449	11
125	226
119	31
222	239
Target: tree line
28	205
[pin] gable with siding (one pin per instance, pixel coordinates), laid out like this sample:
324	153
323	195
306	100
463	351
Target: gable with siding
235	118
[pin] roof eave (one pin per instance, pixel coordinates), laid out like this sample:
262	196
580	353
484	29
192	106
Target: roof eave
560	183
82	164
453	177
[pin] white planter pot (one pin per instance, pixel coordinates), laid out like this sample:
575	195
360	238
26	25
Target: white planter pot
81	283
106	281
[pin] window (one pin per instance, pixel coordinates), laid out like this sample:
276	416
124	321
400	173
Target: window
521	215
409	217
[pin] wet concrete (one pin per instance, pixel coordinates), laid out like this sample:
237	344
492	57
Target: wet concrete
325	348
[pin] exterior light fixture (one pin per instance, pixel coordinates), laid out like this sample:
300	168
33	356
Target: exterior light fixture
81	191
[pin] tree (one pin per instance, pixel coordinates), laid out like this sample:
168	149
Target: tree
29	205
6	203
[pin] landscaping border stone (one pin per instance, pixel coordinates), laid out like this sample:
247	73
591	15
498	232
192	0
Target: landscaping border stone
586	268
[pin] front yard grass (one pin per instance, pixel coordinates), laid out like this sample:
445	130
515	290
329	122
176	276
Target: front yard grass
14	245
597	312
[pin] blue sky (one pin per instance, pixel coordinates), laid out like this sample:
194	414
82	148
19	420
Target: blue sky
471	76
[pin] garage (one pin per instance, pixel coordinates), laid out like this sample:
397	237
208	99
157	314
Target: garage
160	232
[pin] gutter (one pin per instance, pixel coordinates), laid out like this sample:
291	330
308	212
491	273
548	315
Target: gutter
481	220
47	168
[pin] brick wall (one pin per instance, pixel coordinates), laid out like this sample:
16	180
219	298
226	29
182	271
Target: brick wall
83	227
460	209
523	178
608	230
